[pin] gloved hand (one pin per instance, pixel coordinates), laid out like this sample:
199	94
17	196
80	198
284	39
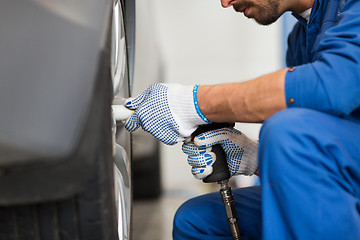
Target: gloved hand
241	152
168	111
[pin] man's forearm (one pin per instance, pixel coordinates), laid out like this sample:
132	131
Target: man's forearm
252	101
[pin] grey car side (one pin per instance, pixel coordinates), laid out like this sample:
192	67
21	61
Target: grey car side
57	178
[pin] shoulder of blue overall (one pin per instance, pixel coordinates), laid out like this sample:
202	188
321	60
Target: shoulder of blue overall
326	54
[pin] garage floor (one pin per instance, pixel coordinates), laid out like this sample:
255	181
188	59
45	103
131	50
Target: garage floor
152	219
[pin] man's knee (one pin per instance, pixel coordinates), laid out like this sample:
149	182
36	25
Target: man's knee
183	214
191	218
204	217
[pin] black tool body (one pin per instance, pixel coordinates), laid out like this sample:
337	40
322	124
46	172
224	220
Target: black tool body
221	175
220	167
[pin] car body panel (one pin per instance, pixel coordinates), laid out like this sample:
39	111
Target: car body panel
52	50
52	62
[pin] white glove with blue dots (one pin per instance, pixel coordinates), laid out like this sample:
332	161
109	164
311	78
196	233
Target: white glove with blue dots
241	152
168	111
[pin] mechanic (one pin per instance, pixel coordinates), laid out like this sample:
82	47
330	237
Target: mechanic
308	153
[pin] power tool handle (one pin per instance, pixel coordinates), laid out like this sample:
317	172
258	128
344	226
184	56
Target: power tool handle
220	166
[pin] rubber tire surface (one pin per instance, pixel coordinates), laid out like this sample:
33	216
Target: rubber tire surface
147	176
91	214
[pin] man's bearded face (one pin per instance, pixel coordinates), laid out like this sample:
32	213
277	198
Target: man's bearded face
264	12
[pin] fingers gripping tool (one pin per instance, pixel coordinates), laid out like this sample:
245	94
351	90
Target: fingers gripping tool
221	175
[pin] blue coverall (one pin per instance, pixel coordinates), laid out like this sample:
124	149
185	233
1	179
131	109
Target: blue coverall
309	154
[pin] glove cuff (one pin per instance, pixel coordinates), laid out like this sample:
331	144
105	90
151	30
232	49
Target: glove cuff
182	107
197	104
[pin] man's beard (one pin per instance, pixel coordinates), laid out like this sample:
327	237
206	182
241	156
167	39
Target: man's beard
267	12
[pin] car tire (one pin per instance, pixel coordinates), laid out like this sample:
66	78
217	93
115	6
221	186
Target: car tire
147	176
90	214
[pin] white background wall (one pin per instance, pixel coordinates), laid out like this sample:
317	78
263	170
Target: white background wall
202	43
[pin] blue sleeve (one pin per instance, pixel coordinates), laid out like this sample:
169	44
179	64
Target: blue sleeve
331	83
